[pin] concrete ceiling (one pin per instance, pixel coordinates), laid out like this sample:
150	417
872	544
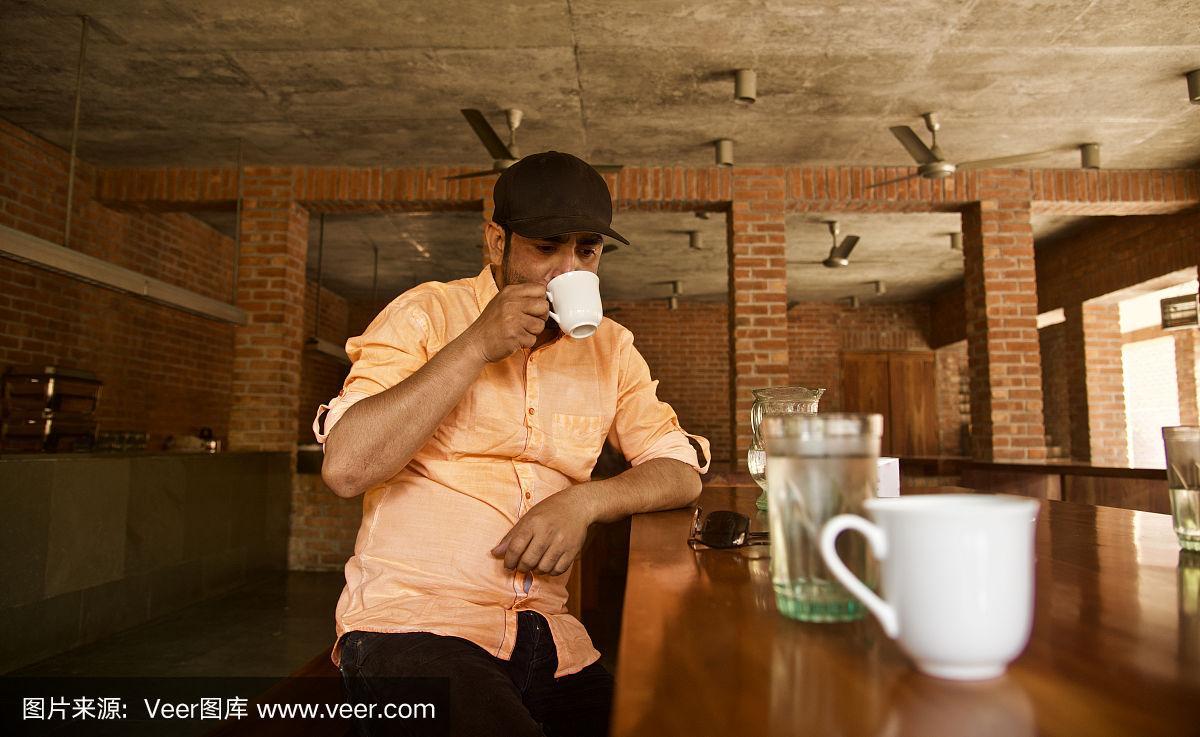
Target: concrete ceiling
910	254
358	82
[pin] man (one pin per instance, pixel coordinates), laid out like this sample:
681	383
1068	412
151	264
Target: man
472	425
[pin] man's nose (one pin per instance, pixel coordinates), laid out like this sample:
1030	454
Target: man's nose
567	262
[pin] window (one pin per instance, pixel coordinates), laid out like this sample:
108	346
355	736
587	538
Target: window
1151	398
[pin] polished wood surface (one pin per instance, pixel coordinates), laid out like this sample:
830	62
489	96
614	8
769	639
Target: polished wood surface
1129	488
1115	647
1072	468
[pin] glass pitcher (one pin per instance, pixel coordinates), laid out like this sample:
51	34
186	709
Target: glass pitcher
776	400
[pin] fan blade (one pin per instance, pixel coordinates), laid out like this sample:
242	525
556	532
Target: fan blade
472	175
913	144
608	168
847	245
893	181
999	160
495	147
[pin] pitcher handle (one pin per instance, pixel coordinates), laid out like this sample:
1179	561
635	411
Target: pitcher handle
884	612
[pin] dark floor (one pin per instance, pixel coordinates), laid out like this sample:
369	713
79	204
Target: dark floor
266	629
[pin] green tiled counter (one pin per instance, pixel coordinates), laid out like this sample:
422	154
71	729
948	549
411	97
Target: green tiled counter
92	544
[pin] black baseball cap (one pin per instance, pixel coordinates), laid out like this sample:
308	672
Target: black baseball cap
553	193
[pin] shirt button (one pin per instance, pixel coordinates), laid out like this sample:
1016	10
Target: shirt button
528	495
531	410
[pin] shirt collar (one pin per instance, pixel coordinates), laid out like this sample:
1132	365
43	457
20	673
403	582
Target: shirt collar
485	287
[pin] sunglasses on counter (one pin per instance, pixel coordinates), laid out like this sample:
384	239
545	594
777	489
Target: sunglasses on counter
723	529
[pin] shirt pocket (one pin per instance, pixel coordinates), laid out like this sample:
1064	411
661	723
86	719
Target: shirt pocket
580	435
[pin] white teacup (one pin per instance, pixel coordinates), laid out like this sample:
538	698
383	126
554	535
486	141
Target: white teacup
957	575
575	303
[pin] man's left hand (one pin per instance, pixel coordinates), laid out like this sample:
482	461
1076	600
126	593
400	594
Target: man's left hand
548	538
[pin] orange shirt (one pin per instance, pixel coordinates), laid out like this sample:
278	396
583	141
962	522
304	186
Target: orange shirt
530	426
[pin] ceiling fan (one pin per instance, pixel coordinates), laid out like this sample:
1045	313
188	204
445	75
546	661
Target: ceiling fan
932	165
839	254
505	155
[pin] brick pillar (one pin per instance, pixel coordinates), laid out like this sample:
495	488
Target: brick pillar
267	350
1001	315
1074	366
1095	383
757	295
1185	376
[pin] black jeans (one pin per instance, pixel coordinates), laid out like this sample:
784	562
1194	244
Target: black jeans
488	696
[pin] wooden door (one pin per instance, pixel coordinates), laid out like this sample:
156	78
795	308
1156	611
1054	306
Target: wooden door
866	388
913	404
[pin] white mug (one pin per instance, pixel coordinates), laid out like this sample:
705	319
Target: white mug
575	302
957	575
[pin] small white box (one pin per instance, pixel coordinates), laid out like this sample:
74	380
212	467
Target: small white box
889	478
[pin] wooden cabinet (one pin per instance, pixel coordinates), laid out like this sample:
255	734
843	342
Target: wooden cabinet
902	387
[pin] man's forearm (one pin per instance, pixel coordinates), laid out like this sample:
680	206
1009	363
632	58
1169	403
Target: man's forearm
662	483
377	437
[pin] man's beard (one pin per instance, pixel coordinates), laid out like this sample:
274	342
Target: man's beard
511	276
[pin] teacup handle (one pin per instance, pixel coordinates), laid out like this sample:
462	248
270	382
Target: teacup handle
884	612
550	299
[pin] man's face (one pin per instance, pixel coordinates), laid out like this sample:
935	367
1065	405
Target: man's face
538	260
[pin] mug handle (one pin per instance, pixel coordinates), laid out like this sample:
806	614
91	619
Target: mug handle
884	612
550	299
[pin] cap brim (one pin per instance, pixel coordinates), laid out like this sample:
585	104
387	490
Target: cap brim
548	227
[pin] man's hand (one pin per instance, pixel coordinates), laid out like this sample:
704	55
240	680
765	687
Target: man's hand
511	321
550	535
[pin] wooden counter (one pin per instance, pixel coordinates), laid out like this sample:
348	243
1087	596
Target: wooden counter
1115	646
1143	489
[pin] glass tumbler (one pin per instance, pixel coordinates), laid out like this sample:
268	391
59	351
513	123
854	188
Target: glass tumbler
818	466
1183	482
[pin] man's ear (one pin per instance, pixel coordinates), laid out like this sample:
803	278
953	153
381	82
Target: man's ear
493	242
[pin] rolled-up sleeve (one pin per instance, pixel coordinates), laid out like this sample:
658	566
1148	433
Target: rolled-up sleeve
393	347
645	428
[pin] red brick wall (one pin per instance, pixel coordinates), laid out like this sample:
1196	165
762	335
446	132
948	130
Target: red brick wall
953	399
1000	290
1113	253
165	372
1134	249
321	376
1185	375
1104	383
818	333
687	350
815	350
1056	390
271	287
896	327
323	525
758	293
